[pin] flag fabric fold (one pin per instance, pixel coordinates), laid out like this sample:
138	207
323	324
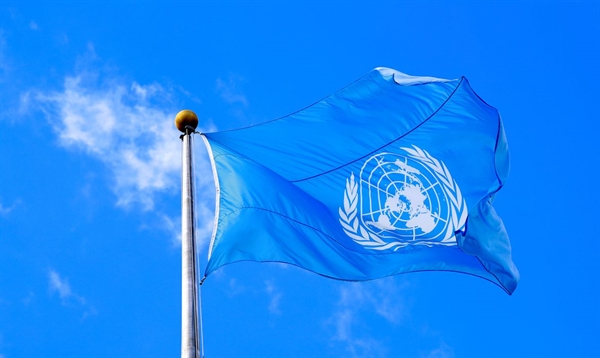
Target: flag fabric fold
391	174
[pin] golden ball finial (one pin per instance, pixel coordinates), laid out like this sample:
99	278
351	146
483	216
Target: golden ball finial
186	118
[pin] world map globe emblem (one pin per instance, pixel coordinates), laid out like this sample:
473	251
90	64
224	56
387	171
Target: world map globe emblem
399	201
402	200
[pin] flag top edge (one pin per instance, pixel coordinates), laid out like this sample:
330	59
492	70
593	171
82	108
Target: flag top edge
403	79
385	73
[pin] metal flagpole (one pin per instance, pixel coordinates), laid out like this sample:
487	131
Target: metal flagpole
187	121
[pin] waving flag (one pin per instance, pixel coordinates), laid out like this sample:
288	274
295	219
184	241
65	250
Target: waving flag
391	174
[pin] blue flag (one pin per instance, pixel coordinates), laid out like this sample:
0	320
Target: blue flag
391	174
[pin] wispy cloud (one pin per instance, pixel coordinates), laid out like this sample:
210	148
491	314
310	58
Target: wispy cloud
361	302
443	351
230	90
60	285
5	210
129	127
34	26
234	287
173	226
382	297
117	124
274	297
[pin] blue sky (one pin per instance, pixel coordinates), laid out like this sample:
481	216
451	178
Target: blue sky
90	175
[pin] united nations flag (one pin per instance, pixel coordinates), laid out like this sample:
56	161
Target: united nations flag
391	174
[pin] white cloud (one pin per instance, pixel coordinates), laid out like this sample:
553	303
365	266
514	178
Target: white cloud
27	300
230	92
117	124
68	297
235	288
381	297
129	127
274	297
174	227
443	351
33	25
343	320
5	210
59	285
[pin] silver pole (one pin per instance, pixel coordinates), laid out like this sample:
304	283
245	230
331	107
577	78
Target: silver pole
189	282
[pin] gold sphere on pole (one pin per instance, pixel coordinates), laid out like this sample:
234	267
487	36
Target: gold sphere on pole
186	118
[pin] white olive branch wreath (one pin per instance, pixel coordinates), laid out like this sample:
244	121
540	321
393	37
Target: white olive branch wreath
458	208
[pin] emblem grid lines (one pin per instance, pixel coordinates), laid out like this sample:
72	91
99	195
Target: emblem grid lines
350	219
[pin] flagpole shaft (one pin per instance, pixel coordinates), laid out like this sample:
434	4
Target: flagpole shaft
189	280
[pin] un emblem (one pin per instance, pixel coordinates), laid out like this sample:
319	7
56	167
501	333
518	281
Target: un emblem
403	200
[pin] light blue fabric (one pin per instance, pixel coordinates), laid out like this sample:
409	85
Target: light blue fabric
391	174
